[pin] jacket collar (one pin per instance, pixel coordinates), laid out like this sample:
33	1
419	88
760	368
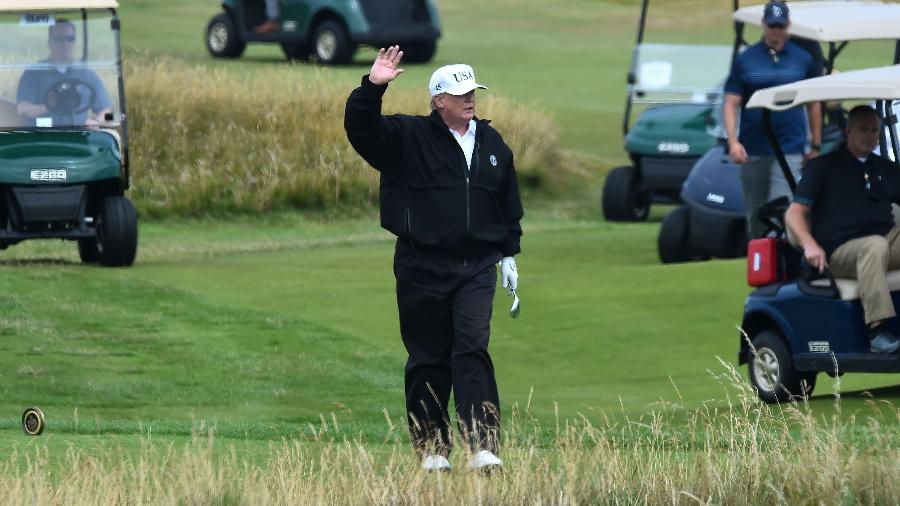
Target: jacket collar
438	121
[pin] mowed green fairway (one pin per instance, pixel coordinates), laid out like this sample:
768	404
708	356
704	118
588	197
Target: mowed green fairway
260	328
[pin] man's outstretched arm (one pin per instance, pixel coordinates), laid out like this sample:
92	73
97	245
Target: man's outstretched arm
797	220
372	135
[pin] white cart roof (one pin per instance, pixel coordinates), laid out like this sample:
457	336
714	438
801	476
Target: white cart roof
55	5
835	21
881	83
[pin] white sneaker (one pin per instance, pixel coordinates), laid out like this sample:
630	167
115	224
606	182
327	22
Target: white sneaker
435	463
485	461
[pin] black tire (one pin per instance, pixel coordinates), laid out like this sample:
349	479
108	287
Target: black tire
331	44
88	251
222	37
419	52
623	200
673	243
117	232
772	373
295	51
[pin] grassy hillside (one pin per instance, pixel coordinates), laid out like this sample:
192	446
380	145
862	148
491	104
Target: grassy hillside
215	148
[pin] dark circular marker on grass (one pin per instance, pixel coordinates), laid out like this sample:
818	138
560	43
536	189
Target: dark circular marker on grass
33	421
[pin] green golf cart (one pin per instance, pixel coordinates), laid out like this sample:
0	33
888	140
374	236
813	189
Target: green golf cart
675	90
63	135
328	30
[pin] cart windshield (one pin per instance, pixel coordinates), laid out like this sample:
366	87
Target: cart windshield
669	73
59	70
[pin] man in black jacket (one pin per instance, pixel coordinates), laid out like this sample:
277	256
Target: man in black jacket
449	194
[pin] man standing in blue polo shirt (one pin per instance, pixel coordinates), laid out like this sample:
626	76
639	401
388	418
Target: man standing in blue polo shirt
773	61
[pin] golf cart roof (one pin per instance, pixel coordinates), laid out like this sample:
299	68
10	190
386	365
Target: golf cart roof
835	21
880	83
55	5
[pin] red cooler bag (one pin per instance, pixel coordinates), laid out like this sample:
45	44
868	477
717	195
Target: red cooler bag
762	261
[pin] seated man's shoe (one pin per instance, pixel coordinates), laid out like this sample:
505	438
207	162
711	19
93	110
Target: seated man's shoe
884	341
434	463
486	462
270	26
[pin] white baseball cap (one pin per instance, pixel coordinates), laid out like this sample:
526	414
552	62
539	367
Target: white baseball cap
457	79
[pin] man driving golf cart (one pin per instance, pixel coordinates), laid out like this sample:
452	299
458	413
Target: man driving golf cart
58	92
64	164
848	194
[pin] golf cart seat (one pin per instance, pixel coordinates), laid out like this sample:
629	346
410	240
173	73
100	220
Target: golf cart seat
849	288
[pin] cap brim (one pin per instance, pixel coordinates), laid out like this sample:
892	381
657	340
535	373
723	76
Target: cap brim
462	90
776	22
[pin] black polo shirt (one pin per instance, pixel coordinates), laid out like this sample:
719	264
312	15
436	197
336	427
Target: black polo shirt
849	198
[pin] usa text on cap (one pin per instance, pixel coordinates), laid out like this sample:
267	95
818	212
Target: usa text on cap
457	79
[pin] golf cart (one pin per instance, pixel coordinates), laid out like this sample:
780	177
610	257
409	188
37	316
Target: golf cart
800	325
63	135
678	85
328	30
711	223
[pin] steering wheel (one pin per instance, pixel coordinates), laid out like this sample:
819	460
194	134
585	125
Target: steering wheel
70	97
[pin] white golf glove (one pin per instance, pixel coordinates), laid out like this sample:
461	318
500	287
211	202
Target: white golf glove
509	276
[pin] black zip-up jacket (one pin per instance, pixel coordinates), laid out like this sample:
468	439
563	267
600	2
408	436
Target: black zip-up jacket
428	194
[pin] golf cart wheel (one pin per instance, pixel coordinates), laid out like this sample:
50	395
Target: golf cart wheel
623	200
331	44
772	372
295	51
419	52
33	421
117	232
674	243
222	37
88	251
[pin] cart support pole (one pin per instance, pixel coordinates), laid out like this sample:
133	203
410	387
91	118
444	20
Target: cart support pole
123	113
891	121
632	78
779	154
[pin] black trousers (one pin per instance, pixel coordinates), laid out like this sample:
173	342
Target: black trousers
445	305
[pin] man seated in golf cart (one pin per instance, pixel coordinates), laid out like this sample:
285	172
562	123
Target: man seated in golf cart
846	195
59	92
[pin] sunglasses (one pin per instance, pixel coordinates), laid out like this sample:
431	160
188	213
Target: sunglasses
63	38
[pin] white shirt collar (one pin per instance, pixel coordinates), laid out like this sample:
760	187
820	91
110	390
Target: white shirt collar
469	132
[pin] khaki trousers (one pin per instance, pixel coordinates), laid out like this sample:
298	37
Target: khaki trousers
868	259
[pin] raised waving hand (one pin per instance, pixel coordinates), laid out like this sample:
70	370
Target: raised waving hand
385	69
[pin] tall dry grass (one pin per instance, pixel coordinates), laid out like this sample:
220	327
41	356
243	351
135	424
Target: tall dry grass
741	453
207	141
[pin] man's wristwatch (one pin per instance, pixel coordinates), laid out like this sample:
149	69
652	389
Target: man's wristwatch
815	147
